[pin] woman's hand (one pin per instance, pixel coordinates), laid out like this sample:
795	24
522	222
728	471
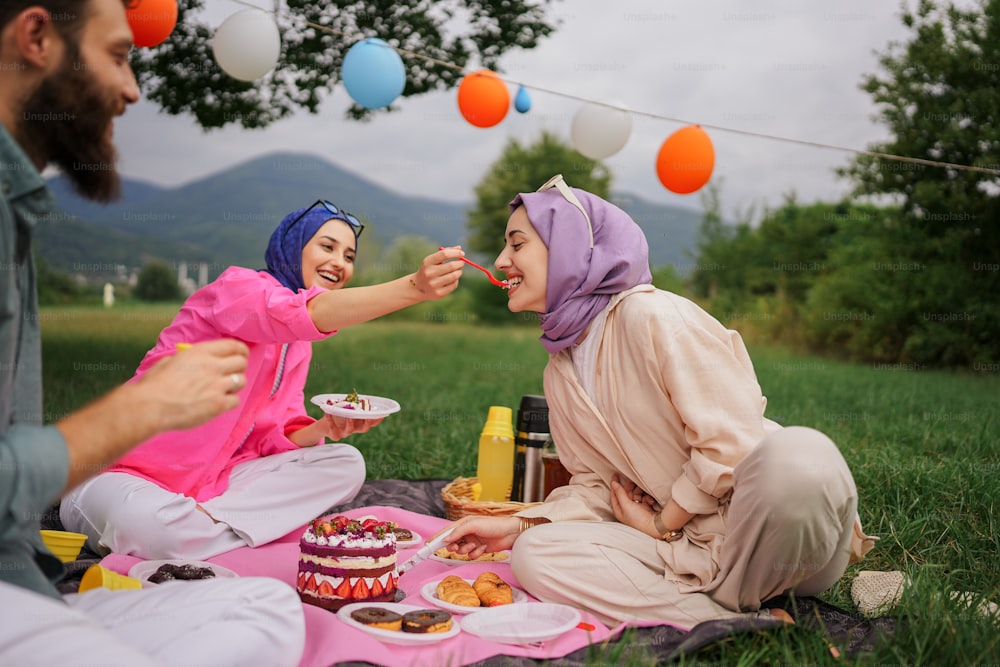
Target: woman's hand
476	535
635	492
632	507
437	276
337	428
333	427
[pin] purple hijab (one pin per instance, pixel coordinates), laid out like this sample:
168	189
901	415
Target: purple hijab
284	250
581	279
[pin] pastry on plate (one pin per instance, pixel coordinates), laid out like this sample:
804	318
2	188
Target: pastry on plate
492	591
455	590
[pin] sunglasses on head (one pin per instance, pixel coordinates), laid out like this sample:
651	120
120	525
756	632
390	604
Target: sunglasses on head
349	218
559	184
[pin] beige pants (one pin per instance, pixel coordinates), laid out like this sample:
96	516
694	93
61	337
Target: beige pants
788	529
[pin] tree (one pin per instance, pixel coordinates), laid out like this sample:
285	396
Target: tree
157	282
523	169
55	287
181	75
939	95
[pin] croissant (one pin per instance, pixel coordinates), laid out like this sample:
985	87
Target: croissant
456	590
492	590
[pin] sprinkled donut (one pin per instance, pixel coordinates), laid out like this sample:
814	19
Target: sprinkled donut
427	620
377	617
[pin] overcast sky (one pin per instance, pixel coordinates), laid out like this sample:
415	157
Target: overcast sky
780	67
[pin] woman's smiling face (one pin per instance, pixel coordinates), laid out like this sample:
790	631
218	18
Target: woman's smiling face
328	258
525	261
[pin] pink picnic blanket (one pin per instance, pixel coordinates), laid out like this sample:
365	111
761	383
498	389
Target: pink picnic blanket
330	640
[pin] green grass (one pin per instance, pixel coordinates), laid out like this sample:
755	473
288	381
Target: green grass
924	447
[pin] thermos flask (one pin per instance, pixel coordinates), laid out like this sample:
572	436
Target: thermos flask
530	436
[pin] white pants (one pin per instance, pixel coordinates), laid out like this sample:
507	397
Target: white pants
266	498
788	529
215	623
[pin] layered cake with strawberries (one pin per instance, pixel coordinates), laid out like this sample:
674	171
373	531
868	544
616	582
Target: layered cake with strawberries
345	560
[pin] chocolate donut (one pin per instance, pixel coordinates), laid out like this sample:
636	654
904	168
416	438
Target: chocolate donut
377	617
403	534
427	620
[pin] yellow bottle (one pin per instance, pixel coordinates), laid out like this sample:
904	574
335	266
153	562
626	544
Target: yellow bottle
495	468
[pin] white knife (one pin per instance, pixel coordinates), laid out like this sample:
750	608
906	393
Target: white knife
424	552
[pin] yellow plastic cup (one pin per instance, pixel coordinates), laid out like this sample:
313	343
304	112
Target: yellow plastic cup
97	576
64	544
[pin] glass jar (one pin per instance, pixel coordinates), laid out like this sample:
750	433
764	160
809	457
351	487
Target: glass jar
555	473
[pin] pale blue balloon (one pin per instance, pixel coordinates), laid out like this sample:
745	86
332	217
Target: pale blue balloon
523	100
373	73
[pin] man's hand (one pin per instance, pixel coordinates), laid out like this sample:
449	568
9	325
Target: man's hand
193	386
180	391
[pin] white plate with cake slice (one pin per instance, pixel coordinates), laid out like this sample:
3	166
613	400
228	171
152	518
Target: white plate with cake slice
346	612
429	592
370	407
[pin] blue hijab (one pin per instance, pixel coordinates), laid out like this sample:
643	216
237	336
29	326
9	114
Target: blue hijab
284	250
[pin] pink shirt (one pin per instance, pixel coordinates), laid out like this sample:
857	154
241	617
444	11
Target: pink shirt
251	306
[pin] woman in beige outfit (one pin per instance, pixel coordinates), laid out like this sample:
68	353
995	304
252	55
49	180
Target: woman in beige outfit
686	503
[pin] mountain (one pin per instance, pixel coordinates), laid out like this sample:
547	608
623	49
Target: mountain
671	231
227	218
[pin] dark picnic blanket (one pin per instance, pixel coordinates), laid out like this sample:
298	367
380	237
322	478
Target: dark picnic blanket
851	632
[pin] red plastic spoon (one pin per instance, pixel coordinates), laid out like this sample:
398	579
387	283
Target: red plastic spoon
493	279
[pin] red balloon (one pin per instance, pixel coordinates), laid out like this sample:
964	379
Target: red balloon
483	98
685	161
151	21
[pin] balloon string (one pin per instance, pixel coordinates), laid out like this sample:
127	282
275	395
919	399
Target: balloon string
681	121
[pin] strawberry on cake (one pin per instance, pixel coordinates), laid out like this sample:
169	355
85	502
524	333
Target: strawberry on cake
344	560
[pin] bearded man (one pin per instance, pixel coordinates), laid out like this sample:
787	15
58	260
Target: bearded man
64	76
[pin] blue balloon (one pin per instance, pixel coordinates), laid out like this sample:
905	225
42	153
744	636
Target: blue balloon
373	73
523	101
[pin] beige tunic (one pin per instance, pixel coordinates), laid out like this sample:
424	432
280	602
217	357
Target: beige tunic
678	408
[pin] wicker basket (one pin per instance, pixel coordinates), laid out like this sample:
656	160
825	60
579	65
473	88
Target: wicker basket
457	496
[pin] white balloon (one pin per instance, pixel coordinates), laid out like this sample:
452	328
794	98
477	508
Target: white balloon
247	44
599	131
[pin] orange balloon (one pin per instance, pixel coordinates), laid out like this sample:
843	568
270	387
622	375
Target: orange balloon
483	98
685	160
151	21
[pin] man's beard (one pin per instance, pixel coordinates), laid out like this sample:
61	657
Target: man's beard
65	121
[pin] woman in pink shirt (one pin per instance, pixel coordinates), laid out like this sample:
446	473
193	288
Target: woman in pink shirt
257	472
